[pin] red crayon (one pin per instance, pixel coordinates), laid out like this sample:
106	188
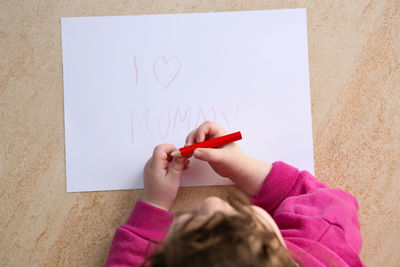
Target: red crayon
215	142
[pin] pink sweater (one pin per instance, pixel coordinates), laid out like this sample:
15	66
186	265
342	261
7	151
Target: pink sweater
319	224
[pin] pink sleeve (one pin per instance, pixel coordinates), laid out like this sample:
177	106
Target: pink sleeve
135	240
315	220
282	182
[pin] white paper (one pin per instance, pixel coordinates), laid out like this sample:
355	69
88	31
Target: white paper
133	82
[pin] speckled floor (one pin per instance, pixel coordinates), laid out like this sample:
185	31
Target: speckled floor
355	94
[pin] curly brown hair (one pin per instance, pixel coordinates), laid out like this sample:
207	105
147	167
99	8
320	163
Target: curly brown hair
223	240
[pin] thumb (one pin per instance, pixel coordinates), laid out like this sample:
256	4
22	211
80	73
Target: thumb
210	155
176	166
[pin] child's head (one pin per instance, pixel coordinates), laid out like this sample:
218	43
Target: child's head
222	233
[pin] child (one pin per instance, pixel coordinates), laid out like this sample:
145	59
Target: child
295	220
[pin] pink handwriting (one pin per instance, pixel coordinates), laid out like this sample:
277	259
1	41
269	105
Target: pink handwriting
135	118
162	125
160	119
136	69
233	117
214	118
182	119
164	72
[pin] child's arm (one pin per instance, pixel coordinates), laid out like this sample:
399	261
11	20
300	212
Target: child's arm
318	223
150	219
229	160
137	238
313	218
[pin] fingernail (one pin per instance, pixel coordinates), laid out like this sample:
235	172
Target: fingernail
197	153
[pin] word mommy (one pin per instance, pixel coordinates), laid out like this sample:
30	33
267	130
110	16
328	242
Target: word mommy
165	123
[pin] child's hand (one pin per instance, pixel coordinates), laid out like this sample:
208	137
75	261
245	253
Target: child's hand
161	176
229	160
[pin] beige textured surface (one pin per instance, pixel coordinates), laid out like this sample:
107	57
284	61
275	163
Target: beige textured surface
355	93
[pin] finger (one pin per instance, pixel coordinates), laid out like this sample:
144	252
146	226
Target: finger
211	155
206	129
186	166
209	129
190	138
176	167
161	154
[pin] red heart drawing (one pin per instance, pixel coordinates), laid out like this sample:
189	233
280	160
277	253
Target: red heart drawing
165	71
